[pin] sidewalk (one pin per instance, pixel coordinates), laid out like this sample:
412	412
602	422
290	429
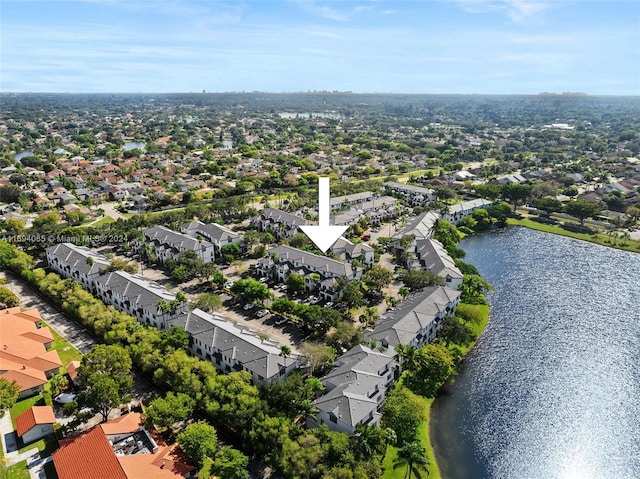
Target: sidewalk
35	464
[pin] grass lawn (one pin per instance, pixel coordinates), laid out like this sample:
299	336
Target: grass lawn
45	446
18	471
601	239
480	313
66	351
21	406
102	221
392	453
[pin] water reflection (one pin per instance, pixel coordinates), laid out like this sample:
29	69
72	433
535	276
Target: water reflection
552	389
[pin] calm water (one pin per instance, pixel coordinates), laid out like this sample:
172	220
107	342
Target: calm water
134	145
552	390
23	154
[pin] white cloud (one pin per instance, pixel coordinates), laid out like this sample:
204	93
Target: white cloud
516	10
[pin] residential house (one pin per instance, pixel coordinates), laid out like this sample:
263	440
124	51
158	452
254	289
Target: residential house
420	227
25	355
280	223
414	195
167	244
283	260
347	201
72	371
218	235
455	213
417	320
35	423
377	210
348	251
137	296
231	347
431	255
119	449
77	262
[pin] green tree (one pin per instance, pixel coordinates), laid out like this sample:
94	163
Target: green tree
473	288
198	441
112	360
420	279
174	407
230	252
295	283
548	204
413	456
8	298
403	413
433	366
516	193
174	338
376	278
250	290
582	210
455	331
8	395
103	394
318	355
230	463
208	302
351	294
371	441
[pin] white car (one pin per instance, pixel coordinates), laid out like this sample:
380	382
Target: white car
249	306
261	313
65	398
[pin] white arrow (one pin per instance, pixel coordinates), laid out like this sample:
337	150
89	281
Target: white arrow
324	234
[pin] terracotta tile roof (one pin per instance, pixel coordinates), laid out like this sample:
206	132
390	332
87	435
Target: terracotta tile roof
34	416
88	456
26	377
167	463
124	424
72	369
23	354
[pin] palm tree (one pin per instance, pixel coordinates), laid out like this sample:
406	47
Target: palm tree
163	306
285	351
369	441
413	456
405	355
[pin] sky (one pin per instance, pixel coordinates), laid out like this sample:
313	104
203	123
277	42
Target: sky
364	46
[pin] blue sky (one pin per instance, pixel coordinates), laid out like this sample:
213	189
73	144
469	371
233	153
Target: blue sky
419	46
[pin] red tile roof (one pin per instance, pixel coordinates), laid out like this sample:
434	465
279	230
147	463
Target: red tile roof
88	456
34	416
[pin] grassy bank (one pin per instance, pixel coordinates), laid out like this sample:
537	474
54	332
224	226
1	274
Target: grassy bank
598	238
479	317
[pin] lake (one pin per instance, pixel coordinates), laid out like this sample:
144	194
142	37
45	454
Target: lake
134	145
23	154
552	388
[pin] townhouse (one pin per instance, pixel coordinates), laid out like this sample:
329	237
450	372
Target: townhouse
232	347
218	235
455	213
346	201
348	251
280	223
429	254
168	244
378	210
77	262
283	260
413	195
420	227
139	297
417	320
355	389
211	336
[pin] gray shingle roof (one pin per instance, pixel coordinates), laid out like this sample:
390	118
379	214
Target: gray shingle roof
161	235
319	263
421	227
76	258
283	217
436	259
211	231
349	401
140	291
258	356
416	313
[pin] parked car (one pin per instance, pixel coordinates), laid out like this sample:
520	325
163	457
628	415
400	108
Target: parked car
65	398
281	321
329	304
261	313
264	279
228	284
249	306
